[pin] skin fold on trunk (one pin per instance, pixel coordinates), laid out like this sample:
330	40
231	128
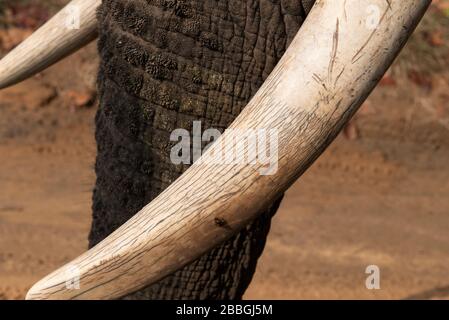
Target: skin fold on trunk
165	64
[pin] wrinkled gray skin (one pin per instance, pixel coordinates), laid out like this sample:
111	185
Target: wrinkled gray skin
165	64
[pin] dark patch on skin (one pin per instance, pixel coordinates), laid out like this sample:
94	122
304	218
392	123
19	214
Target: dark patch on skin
165	64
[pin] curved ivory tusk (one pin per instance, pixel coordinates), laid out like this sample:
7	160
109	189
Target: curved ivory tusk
69	30
334	62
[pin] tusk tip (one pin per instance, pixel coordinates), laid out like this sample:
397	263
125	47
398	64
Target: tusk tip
34	293
49	288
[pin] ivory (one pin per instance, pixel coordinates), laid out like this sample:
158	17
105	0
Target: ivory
332	65
55	40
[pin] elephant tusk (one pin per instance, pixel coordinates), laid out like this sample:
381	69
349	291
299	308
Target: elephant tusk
334	62
69	30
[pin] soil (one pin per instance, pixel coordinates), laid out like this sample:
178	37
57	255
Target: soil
377	196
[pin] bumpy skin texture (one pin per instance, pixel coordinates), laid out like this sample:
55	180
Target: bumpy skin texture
165	64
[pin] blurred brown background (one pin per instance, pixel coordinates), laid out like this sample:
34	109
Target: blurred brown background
379	195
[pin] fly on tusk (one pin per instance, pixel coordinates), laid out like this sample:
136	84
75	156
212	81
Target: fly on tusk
69	30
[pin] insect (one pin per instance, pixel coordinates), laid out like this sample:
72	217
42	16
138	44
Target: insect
220	222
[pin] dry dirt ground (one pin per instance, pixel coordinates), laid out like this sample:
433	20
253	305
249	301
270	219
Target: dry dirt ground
378	196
